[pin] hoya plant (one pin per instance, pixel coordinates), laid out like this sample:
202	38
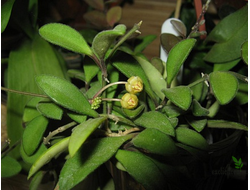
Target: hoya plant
122	121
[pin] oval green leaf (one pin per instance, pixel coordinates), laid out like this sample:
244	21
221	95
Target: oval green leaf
33	134
65	94
66	37
105	39
156	80
114	15
222	124
133	113
177	55
9	166
92	155
82	132
50	110
181	96
244	52
191	138
5	13
142	169
155	142
156	120
224	85
30	111
50	153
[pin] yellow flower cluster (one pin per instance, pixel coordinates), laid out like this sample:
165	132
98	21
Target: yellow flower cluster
134	85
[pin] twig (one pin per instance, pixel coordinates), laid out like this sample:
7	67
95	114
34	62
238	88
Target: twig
177	9
59	130
23	93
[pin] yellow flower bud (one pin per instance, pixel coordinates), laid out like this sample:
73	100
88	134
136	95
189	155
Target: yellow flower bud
134	85
129	101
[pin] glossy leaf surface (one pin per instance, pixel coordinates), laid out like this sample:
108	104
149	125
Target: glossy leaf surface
180	96
65	94
177	55
33	134
156	120
224	85
82	132
66	37
155	142
87	159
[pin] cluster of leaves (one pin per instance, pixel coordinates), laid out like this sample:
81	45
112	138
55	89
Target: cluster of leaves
154	143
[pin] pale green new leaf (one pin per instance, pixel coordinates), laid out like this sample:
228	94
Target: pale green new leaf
50	153
66	37
156	80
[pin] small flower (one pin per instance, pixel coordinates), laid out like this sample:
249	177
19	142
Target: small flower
129	101
134	85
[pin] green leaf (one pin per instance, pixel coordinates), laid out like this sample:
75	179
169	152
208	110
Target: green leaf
130	67
168	41
133	113
172	111
244	52
77	117
156	120
114	15
158	64
197	124
66	37
155	78
223	124
181	96
105	39
155	142
65	94
113	77
191	138
224	85
45	158
198	110
87	159
90	69
142	169
9	167
31	159
145	41
30	111
234	159
229	34
36	180
25	62
50	110
177	55
5	13
74	73
33	134
82	132
226	66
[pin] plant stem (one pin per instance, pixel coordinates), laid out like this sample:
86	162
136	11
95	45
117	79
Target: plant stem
10	148
23	93
59	130
107	86
177	9
203	79
126	36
